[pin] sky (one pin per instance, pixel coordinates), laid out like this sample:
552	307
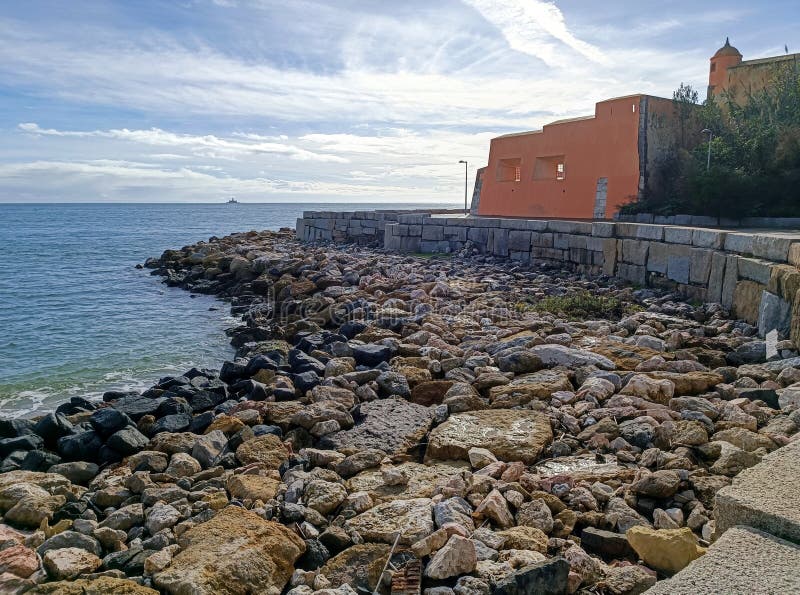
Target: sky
315	100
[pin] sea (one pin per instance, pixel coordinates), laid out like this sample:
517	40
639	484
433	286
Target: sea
77	318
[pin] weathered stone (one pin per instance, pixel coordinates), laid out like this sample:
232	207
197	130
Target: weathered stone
234	553
359	566
559	355
455	558
667	550
548	576
412	519
252	487
70	562
102	585
266	451
510	435
392	425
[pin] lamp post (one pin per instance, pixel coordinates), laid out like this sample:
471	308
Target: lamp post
710	134
465	185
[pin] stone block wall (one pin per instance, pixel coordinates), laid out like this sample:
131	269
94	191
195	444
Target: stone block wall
755	275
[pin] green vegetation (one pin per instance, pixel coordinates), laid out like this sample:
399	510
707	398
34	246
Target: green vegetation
755	155
581	305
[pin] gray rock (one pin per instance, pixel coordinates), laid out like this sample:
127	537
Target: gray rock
548	576
392	425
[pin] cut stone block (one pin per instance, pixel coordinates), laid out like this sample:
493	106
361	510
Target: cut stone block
764	496
701	266
754	270
678	235
775	248
716	277
708	238
743	560
774	313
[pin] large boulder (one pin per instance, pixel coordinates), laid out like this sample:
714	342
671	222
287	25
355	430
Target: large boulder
235	553
525	388
667	550
509	434
412	519
553	354
392	425
359	566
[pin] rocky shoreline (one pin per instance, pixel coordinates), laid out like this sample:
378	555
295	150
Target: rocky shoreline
398	423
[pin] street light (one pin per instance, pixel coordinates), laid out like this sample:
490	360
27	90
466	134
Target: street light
710	134
465	185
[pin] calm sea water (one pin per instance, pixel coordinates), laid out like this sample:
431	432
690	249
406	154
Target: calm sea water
76	317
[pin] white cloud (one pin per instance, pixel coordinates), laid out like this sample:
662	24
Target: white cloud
536	28
200	145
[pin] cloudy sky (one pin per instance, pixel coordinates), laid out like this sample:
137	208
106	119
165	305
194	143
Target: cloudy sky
315	100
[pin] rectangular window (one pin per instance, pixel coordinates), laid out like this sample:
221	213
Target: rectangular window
550	168
509	170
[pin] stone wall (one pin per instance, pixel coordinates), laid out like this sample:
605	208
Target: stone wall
754	274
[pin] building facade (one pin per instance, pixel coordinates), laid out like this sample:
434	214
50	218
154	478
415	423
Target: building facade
734	79
587	168
581	168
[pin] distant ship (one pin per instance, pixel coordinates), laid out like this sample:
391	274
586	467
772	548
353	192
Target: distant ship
233	201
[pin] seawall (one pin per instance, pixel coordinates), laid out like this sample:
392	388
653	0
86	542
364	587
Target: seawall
753	273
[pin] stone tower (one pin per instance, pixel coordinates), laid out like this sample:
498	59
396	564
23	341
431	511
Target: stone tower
725	57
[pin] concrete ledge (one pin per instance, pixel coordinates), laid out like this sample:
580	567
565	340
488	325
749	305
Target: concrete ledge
743	560
764	496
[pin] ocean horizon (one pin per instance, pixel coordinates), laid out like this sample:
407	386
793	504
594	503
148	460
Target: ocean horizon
79	319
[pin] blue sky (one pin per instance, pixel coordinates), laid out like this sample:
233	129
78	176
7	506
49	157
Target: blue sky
339	100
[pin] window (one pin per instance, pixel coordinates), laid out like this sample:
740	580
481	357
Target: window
550	168
509	170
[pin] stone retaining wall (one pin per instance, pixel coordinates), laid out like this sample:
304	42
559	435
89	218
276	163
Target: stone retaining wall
705	221
754	274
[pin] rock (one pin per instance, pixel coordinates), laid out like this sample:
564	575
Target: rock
31	511
431	392
235	552
535	514
127	441
509	434
359	566
267	451
495	507
393	383
422	480
252	487
161	516
102	585
182	465
659	484
324	496
207	448
744	439
125	518
454	510
732	460
480	457
371	355
70	539
606	543
455	558
412	519
627	580
68	563
518	362
666	550
79	472
107	421
548	576
658	391
391	425
524	538
622	516
18	560
559	355
529	387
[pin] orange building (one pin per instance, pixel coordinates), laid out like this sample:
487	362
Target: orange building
730	77
583	168
586	168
